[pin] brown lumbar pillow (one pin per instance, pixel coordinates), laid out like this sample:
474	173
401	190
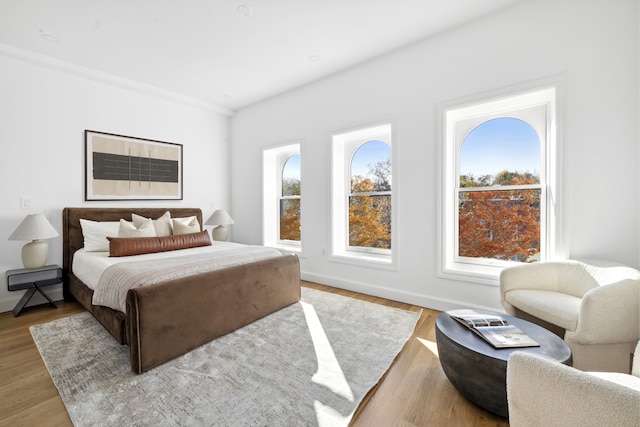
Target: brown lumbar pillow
119	246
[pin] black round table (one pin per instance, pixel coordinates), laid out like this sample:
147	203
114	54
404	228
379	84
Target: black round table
478	370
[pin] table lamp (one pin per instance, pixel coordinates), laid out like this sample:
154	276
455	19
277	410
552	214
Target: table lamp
34	227
220	218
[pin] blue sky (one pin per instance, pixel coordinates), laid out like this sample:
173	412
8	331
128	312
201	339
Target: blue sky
370	153
367	154
499	144
292	167
493	146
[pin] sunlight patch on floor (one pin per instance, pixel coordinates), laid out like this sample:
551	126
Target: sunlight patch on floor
327	416
329	372
432	346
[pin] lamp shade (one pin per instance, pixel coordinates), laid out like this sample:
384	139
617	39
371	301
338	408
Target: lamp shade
220	217
34	227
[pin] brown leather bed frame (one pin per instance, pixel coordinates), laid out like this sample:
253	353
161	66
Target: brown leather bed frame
168	319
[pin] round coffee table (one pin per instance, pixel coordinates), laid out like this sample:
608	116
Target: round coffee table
478	370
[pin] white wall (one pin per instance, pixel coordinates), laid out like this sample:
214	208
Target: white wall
45	106
594	44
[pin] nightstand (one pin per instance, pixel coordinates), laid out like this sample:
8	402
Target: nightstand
33	279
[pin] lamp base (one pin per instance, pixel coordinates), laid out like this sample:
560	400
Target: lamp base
34	254
220	233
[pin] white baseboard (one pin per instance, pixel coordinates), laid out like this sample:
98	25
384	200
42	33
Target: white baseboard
440	304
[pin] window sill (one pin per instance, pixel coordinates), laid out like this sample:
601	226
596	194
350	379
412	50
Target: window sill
481	274
364	259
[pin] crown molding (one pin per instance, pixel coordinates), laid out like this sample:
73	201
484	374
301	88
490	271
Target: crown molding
19	54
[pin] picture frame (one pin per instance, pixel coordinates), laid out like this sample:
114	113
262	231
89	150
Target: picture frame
119	167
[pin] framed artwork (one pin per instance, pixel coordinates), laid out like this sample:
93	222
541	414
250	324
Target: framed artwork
121	167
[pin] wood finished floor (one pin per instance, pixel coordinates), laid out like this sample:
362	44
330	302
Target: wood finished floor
414	392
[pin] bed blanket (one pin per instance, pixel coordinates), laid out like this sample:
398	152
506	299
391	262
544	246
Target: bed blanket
116	280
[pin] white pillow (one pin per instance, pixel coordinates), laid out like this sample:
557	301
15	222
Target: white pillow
95	234
162	225
185	220
128	229
185	225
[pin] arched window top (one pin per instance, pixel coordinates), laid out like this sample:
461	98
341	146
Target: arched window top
371	167
291	176
496	146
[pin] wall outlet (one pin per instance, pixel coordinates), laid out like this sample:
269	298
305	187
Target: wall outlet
25	202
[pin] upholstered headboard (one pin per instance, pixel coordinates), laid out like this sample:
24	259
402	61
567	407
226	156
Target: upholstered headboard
72	238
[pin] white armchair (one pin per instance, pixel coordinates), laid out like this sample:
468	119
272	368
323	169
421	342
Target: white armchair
543	393
593	305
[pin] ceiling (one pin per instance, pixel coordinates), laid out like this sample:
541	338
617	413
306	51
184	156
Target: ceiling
229	53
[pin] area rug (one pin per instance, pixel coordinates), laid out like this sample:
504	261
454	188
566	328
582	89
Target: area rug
309	364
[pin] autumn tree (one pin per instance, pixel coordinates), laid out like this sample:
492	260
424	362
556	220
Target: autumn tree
290	210
499	224
369	216
370	213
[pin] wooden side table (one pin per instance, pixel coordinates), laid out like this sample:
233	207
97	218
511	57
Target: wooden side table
33	279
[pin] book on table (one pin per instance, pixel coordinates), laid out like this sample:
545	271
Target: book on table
493	328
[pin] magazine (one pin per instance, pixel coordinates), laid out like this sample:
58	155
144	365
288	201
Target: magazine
493	329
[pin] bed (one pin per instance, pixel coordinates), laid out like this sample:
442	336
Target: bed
165	320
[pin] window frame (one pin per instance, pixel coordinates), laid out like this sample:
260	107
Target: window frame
282	162
465	127
353	147
345	144
476	110
273	162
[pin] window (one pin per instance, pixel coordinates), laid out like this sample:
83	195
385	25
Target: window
498	184
290	200
282	197
362	213
370	196
499	192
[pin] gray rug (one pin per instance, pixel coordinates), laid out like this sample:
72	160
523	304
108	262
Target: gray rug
309	364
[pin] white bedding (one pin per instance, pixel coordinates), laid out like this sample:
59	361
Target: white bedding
90	266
